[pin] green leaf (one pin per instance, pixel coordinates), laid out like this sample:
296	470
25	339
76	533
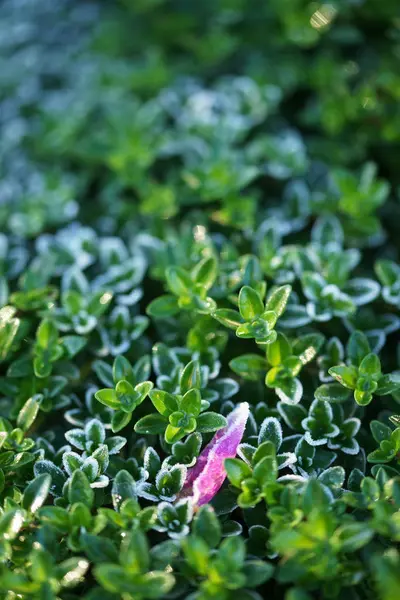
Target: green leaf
305	453
362	398
326	230
237	470
361	290
143	389
108	397
73	344
95	431
332	392
134	554
164	402
71	571
72	301
102	456
178	281
278	299
232	553
347	376
191	377
56	474
297	594
98	549
28	412
10	523
175	433
186	452
127	396
370	365
292	414
56	516
395	419
9	326
388	272
47	334
357	347
353	536
210	421
191	403
122	369
21	367
271	431
257	572
205	272
314	497
386	570
36	493
207	526
249	366
370	489
114	578
250	303
278	351
141	369
4	290
380	431
266	465
228	317
119	420
104	372
289	390
306	347
388	384
99	303
384	454
196	553
333	477
79	489
163	307
151	424
123	488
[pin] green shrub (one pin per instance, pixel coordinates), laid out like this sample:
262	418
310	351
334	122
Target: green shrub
199	300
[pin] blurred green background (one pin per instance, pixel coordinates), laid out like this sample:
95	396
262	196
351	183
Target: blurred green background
149	109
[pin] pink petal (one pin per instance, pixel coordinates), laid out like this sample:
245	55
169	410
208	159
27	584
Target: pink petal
205	479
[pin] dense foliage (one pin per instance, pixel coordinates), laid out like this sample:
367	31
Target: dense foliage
199	214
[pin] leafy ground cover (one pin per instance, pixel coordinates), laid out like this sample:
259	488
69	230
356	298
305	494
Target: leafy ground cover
199	300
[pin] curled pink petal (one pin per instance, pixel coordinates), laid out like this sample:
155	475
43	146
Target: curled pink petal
205	479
